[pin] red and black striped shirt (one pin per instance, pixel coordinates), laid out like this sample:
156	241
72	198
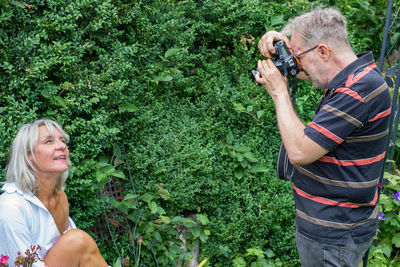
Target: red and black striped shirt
336	196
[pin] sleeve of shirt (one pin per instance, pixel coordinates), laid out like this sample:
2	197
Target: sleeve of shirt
15	229
71	225
343	112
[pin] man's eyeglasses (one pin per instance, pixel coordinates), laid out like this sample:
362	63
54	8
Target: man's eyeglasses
302	53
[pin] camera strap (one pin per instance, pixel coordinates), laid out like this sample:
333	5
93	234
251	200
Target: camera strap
294	88
293	82
284	169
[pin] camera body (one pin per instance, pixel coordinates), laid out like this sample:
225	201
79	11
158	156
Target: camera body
284	60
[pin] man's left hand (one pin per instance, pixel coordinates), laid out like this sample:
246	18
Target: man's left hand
271	78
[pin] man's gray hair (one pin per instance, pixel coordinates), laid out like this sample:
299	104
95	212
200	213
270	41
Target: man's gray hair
318	25
20	169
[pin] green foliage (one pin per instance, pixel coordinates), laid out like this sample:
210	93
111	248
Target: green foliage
170	82
244	160
386	252
156	232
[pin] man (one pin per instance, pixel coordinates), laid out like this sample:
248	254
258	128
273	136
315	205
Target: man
339	154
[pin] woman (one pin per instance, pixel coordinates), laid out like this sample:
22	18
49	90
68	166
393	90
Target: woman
34	207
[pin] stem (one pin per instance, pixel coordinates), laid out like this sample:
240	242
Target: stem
138	257
252	116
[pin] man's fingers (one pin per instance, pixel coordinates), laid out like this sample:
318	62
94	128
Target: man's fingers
266	43
270	45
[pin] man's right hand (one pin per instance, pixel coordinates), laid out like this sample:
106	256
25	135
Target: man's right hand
266	43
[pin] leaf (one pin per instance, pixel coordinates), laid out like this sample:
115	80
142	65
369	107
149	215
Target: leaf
17	4
172	51
189	223
113	222
202	262
386	250
164	193
250	157
165	219
245	163
102	171
238	107
117	263
207	232
260	113
258	168
269	253
157	236
130	196
240	148
147	197
2	109
196	232
60	101
239	262
46	93
133	217
202	219
128	107
394	37
255	252
101	178
160	210
238	173
163	78
203	238
229	138
118	174
396	240
277	20
153	207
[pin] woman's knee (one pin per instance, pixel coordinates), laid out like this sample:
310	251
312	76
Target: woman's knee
72	249
78	240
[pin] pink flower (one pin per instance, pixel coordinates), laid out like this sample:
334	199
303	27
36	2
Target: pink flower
4	259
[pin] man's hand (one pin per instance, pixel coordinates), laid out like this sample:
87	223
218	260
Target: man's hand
266	44
271	78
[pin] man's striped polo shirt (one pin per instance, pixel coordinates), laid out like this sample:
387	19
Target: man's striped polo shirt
337	195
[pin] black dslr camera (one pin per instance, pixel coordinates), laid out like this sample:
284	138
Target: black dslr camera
284	60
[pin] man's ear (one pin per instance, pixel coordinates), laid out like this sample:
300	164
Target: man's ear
324	51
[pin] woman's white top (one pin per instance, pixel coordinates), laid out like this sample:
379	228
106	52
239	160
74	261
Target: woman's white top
25	221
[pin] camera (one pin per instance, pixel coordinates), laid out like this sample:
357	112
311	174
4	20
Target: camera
284	60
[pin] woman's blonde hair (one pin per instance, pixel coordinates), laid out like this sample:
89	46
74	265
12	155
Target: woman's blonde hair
20	169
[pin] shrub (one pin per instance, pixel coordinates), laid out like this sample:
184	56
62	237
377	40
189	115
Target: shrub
169	82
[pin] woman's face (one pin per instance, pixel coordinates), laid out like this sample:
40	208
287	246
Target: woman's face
51	153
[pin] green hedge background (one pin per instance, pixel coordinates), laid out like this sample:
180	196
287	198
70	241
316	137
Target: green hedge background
170	82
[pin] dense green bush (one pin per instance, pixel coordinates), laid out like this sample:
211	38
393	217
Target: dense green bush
169	82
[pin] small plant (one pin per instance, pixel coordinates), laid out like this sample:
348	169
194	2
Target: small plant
248	110
31	256
244	160
167	239
257	258
387	251
4	260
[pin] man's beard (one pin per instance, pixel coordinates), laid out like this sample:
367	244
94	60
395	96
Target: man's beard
315	82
